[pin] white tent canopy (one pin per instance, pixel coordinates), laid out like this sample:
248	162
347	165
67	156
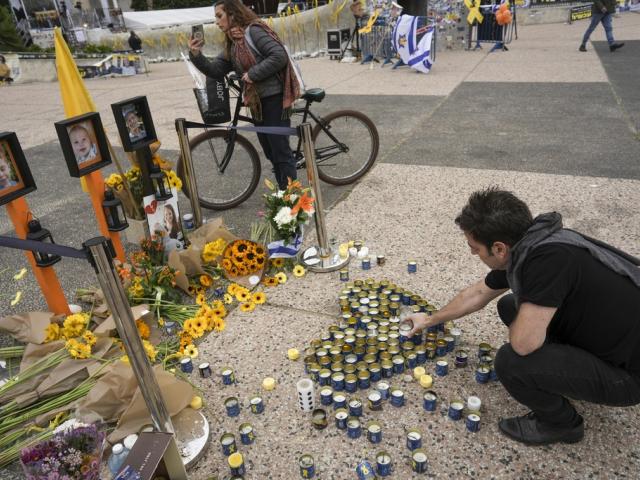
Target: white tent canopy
168	18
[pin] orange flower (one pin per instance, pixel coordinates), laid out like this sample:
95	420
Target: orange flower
305	203
292	184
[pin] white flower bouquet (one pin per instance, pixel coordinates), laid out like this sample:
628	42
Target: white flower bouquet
287	211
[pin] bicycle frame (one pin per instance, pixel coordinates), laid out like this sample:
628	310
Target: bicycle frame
322	154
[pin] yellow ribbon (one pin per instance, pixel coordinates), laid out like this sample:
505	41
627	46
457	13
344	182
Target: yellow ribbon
474	11
316	13
164	41
336	14
370	22
150	42
117	44
181	39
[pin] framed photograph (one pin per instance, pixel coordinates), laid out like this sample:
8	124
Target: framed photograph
164	218
134	122
83	143
15	176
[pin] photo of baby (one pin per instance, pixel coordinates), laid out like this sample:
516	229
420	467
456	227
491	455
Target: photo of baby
135	125
83	142
8	176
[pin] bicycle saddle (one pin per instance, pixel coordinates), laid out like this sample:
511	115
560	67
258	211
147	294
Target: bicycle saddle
314	95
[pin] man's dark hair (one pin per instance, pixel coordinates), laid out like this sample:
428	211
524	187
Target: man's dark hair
494	215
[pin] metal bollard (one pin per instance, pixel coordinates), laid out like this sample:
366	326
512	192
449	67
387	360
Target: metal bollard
189	177
118	304
318	258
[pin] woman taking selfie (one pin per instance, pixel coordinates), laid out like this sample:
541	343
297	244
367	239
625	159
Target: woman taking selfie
270	85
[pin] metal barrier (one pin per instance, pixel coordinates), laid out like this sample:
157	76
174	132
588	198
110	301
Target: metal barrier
490	32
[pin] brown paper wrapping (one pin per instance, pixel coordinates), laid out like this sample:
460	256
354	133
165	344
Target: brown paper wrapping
28	327
108	326
110	396
177	395
62	378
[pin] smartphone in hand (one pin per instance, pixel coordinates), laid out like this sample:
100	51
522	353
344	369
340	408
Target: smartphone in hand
197	32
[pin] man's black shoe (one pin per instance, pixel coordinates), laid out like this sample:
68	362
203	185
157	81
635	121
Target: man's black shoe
614	46
528	429
582	48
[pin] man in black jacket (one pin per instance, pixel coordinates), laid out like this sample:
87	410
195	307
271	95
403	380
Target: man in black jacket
602	11
573	316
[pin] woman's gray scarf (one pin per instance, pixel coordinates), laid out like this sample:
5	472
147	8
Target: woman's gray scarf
547	228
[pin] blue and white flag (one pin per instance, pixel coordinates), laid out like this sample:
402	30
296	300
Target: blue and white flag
413	52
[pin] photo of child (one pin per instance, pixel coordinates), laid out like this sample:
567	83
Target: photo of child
82	137
165	219
8	176
134	124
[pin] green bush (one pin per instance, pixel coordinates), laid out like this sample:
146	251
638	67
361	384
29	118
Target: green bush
9	38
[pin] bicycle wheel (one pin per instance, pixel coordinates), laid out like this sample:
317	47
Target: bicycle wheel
352	153
219	190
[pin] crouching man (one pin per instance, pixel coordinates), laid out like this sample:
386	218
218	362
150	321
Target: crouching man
573	315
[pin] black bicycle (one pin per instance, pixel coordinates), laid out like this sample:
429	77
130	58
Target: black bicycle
227	166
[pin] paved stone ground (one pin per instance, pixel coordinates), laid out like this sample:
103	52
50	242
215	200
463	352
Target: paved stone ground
556	126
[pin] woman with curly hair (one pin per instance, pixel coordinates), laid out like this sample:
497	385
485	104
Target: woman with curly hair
270	86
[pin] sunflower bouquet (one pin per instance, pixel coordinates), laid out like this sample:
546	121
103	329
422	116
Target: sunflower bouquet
243	257
287	211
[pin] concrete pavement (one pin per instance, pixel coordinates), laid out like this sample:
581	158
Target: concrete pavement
556	126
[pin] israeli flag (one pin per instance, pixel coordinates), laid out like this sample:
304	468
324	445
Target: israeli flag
279	249
415	53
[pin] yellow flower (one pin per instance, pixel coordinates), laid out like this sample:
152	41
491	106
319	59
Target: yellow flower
205	280
228	298
270	281
188	325
277	262
197	333
143	329
113	180
191	351
174	180
20	274
220	311
269	184
150	350
16	299
77	350
247	306
125	359
242	295
89	338
201	299
281	277
74	325
259	298
199	323
219	324
53	332
231	289
299	271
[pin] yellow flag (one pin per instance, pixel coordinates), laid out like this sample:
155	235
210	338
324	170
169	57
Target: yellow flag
75	96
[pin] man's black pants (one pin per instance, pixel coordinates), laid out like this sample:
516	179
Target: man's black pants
543	379
276	147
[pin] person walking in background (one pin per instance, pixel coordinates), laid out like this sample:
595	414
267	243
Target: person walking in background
602	11
135	42
270	86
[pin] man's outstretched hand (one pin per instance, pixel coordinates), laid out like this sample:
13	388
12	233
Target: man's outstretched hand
420	322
